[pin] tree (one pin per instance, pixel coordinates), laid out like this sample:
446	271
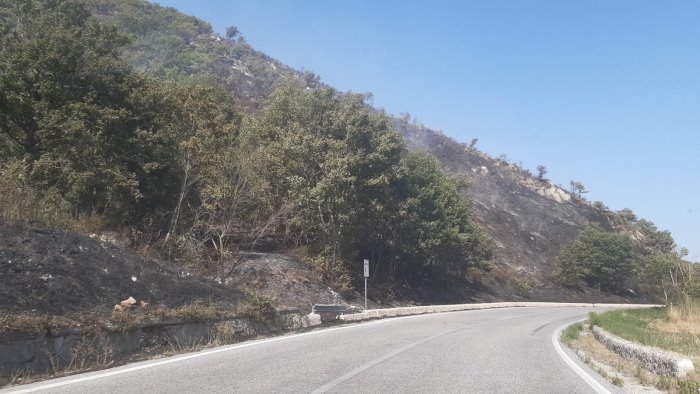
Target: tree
232	33
600	206
653	239
602	259
325	159
627	215
541	172
76	114
578	189
472	143
433	229
350	188
677	278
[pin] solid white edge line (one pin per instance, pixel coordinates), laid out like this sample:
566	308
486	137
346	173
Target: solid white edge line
124	369
595	385
174	359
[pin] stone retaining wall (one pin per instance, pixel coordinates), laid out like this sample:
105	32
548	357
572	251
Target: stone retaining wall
659	361
73	348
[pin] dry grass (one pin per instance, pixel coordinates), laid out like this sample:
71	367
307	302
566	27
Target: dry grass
89	354
195	312
643	326
93	353
33	323
95	321
597	354
683	319
628	373
258	307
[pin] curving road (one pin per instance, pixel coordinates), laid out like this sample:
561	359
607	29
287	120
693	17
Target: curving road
484	351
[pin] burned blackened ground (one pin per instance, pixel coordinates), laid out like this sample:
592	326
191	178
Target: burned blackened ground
528	219
51	271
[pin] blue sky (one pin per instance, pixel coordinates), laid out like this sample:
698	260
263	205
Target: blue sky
604	92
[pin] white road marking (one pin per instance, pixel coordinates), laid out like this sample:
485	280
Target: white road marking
396	352
120	371
187	357
595	385
123	370
377	361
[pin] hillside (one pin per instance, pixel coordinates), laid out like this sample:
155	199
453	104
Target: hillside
529	220
214	154
57	272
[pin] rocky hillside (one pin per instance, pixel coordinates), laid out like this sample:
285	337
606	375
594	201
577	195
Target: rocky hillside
528	219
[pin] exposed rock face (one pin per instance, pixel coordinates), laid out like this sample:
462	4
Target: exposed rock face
529	219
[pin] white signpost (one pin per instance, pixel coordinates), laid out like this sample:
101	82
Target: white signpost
366	276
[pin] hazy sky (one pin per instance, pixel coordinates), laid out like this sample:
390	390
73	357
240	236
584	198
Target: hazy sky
604	92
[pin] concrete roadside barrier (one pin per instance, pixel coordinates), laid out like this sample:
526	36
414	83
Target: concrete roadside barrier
419	310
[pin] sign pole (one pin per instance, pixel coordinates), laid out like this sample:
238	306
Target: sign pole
366	276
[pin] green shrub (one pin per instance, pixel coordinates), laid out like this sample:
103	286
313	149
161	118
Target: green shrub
571	333
258	307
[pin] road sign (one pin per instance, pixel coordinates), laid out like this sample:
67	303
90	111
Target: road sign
366	276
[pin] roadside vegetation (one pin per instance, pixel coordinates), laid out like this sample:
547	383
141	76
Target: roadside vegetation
658	327
571	333
173	163
654	264
651	264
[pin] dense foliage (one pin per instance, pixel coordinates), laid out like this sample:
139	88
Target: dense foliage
602	259
87	132
652	263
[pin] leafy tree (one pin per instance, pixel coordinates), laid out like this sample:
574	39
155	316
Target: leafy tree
653	239
350	188
433	227
600	258
677	279
600	206
627	215
541	172
232	33
578	189
76	114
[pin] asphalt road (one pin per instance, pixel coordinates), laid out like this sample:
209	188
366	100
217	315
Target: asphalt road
485	351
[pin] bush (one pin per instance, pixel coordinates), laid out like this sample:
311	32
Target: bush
571	333
258	307
602	259
593	319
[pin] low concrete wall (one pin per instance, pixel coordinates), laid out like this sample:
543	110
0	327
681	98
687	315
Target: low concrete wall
57	350
418	310
656	360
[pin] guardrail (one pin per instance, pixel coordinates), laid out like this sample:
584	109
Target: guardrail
330	308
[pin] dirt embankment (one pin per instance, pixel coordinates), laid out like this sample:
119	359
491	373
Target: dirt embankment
54	272
57	272
47	271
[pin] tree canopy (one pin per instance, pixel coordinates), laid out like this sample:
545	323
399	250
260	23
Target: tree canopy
88	133
602	259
